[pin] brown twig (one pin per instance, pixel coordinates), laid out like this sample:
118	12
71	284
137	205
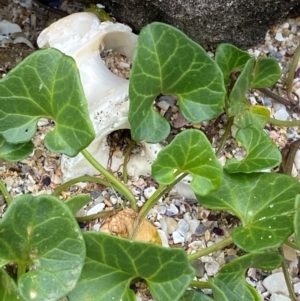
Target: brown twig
293	105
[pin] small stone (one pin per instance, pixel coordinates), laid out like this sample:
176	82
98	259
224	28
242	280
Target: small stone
183	227
199	267
212	268
173	209
200	230
43	122
276	297
276	284
279	37
113	199
281	114
97	208
177	237
94	194
164	238
289	253
149	191
171	225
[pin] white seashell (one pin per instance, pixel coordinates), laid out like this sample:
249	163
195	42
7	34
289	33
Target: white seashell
23	40
7	27
97	208
81	35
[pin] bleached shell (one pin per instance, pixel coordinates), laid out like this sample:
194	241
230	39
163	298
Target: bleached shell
81	35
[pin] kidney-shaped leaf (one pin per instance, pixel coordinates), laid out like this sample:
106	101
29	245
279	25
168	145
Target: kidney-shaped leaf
167	61
14	152
252	115
266	72
230	59
46	84
263	201
40	234
8	288
230	283
241	86
113	263
262	152
297	220
194	296
190	152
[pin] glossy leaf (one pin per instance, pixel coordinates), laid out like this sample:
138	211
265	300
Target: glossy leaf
264	202
241	86
41	234
46	84
297	220
191	152
113	263
230	59
14	152
230	283
76	202
262	152
194	296
252	115
266	72
8	288
166	61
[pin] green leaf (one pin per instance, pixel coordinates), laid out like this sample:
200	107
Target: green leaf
166	61
230	59
8	288
230	283
46	84
252	115
191	152
262	152
41	235
14	152
297	220
266	72
263	201
113	264
241	86
194	296
76	202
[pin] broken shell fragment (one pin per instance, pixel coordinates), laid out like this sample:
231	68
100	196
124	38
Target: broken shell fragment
83	36
122	224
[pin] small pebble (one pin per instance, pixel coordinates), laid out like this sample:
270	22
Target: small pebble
97	208
276	297
276	284
200	230
198	265
177	237
183	227
94	194
171	225
212	268
149	191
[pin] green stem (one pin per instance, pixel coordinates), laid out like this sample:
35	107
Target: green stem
117	184
5	193
291	244
218	246
225	136
78	180
285	123
131	145
102	214
287	277
289	81
21	270
161	190
200	284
